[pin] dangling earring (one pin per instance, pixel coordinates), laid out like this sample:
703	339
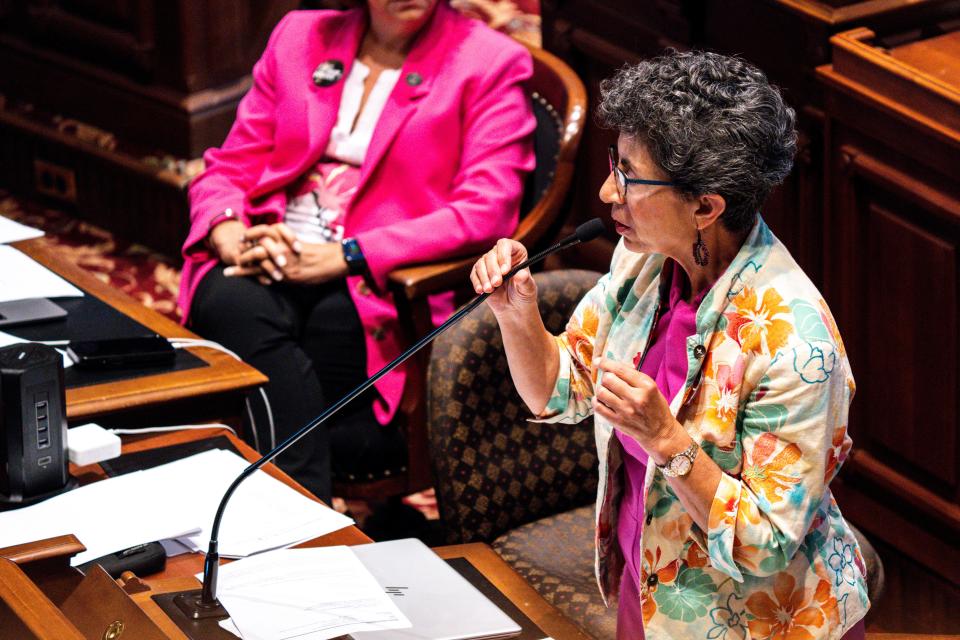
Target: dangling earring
701	255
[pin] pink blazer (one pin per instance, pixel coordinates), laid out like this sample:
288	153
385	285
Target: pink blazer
442	176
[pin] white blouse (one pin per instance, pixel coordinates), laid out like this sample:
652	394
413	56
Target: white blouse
310	220
351	146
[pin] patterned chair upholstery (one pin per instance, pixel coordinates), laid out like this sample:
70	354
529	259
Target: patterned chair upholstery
526	487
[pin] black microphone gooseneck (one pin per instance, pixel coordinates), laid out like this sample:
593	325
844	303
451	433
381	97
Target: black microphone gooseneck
205	604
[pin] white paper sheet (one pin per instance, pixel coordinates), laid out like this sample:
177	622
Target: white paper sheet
263	513
307	594
175	500
227	625
6	340
22	277
13	231
106	516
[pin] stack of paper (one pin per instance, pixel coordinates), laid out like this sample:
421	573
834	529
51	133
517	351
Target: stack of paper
106	516
12	231
176	500
307	594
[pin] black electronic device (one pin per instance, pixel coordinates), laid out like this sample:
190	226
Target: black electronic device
33	423
113	353
143	559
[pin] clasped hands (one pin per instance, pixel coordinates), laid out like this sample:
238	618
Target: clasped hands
272	253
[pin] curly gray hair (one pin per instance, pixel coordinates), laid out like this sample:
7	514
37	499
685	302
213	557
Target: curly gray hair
713	123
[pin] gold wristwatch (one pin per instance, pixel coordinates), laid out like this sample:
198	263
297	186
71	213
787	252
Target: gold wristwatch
680	464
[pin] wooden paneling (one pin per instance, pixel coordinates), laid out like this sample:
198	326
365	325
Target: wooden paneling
892	226
119	95
113	188
787	39
118	34
907	306
161	75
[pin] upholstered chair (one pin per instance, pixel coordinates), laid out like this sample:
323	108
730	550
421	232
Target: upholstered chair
527	487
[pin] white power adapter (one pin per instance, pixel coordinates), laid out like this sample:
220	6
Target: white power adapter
91	443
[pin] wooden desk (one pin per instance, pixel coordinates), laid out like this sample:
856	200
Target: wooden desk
223	375
178	575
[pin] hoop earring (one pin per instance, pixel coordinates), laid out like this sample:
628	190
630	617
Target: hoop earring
701	255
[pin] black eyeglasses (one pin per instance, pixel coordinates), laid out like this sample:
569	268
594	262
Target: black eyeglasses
622	180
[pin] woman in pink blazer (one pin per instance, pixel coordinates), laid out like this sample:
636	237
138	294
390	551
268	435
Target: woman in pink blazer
392	134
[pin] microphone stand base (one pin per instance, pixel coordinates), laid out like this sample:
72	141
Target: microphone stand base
195	620
192	605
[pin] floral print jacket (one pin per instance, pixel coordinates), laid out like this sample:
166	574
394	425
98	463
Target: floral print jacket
767	393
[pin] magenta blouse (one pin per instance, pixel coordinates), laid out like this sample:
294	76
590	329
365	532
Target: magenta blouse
666	363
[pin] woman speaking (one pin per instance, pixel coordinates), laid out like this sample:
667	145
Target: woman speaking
714	371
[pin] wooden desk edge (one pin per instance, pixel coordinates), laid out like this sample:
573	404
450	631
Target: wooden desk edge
127	394
525	597
485	559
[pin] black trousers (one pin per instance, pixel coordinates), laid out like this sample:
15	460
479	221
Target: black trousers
309	341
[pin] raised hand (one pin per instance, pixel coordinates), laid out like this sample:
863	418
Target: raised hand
487	277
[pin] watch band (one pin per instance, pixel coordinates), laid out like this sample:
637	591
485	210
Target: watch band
690	453
353	255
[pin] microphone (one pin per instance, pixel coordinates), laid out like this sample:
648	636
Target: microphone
197	605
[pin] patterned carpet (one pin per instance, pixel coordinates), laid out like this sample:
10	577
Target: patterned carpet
148	276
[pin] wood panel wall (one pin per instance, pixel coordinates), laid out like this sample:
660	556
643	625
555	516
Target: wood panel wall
871	212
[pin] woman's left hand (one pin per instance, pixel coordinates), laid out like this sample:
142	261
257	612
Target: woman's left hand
632	403
315	264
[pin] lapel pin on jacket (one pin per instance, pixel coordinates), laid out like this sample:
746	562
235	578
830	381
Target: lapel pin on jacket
414	78
327	73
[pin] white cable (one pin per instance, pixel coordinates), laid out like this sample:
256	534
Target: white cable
212	425
183	343
273	430
253	423
53	343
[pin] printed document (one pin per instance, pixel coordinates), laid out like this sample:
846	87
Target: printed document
307	594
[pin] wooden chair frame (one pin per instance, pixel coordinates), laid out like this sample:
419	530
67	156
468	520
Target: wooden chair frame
412	284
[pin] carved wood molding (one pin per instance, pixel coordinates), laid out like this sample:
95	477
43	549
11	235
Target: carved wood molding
836	16
857	162
895	85
64	547
865	465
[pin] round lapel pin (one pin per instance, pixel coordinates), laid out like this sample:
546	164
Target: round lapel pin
414	78
327	73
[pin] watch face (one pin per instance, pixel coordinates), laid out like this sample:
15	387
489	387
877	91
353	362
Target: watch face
680	465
